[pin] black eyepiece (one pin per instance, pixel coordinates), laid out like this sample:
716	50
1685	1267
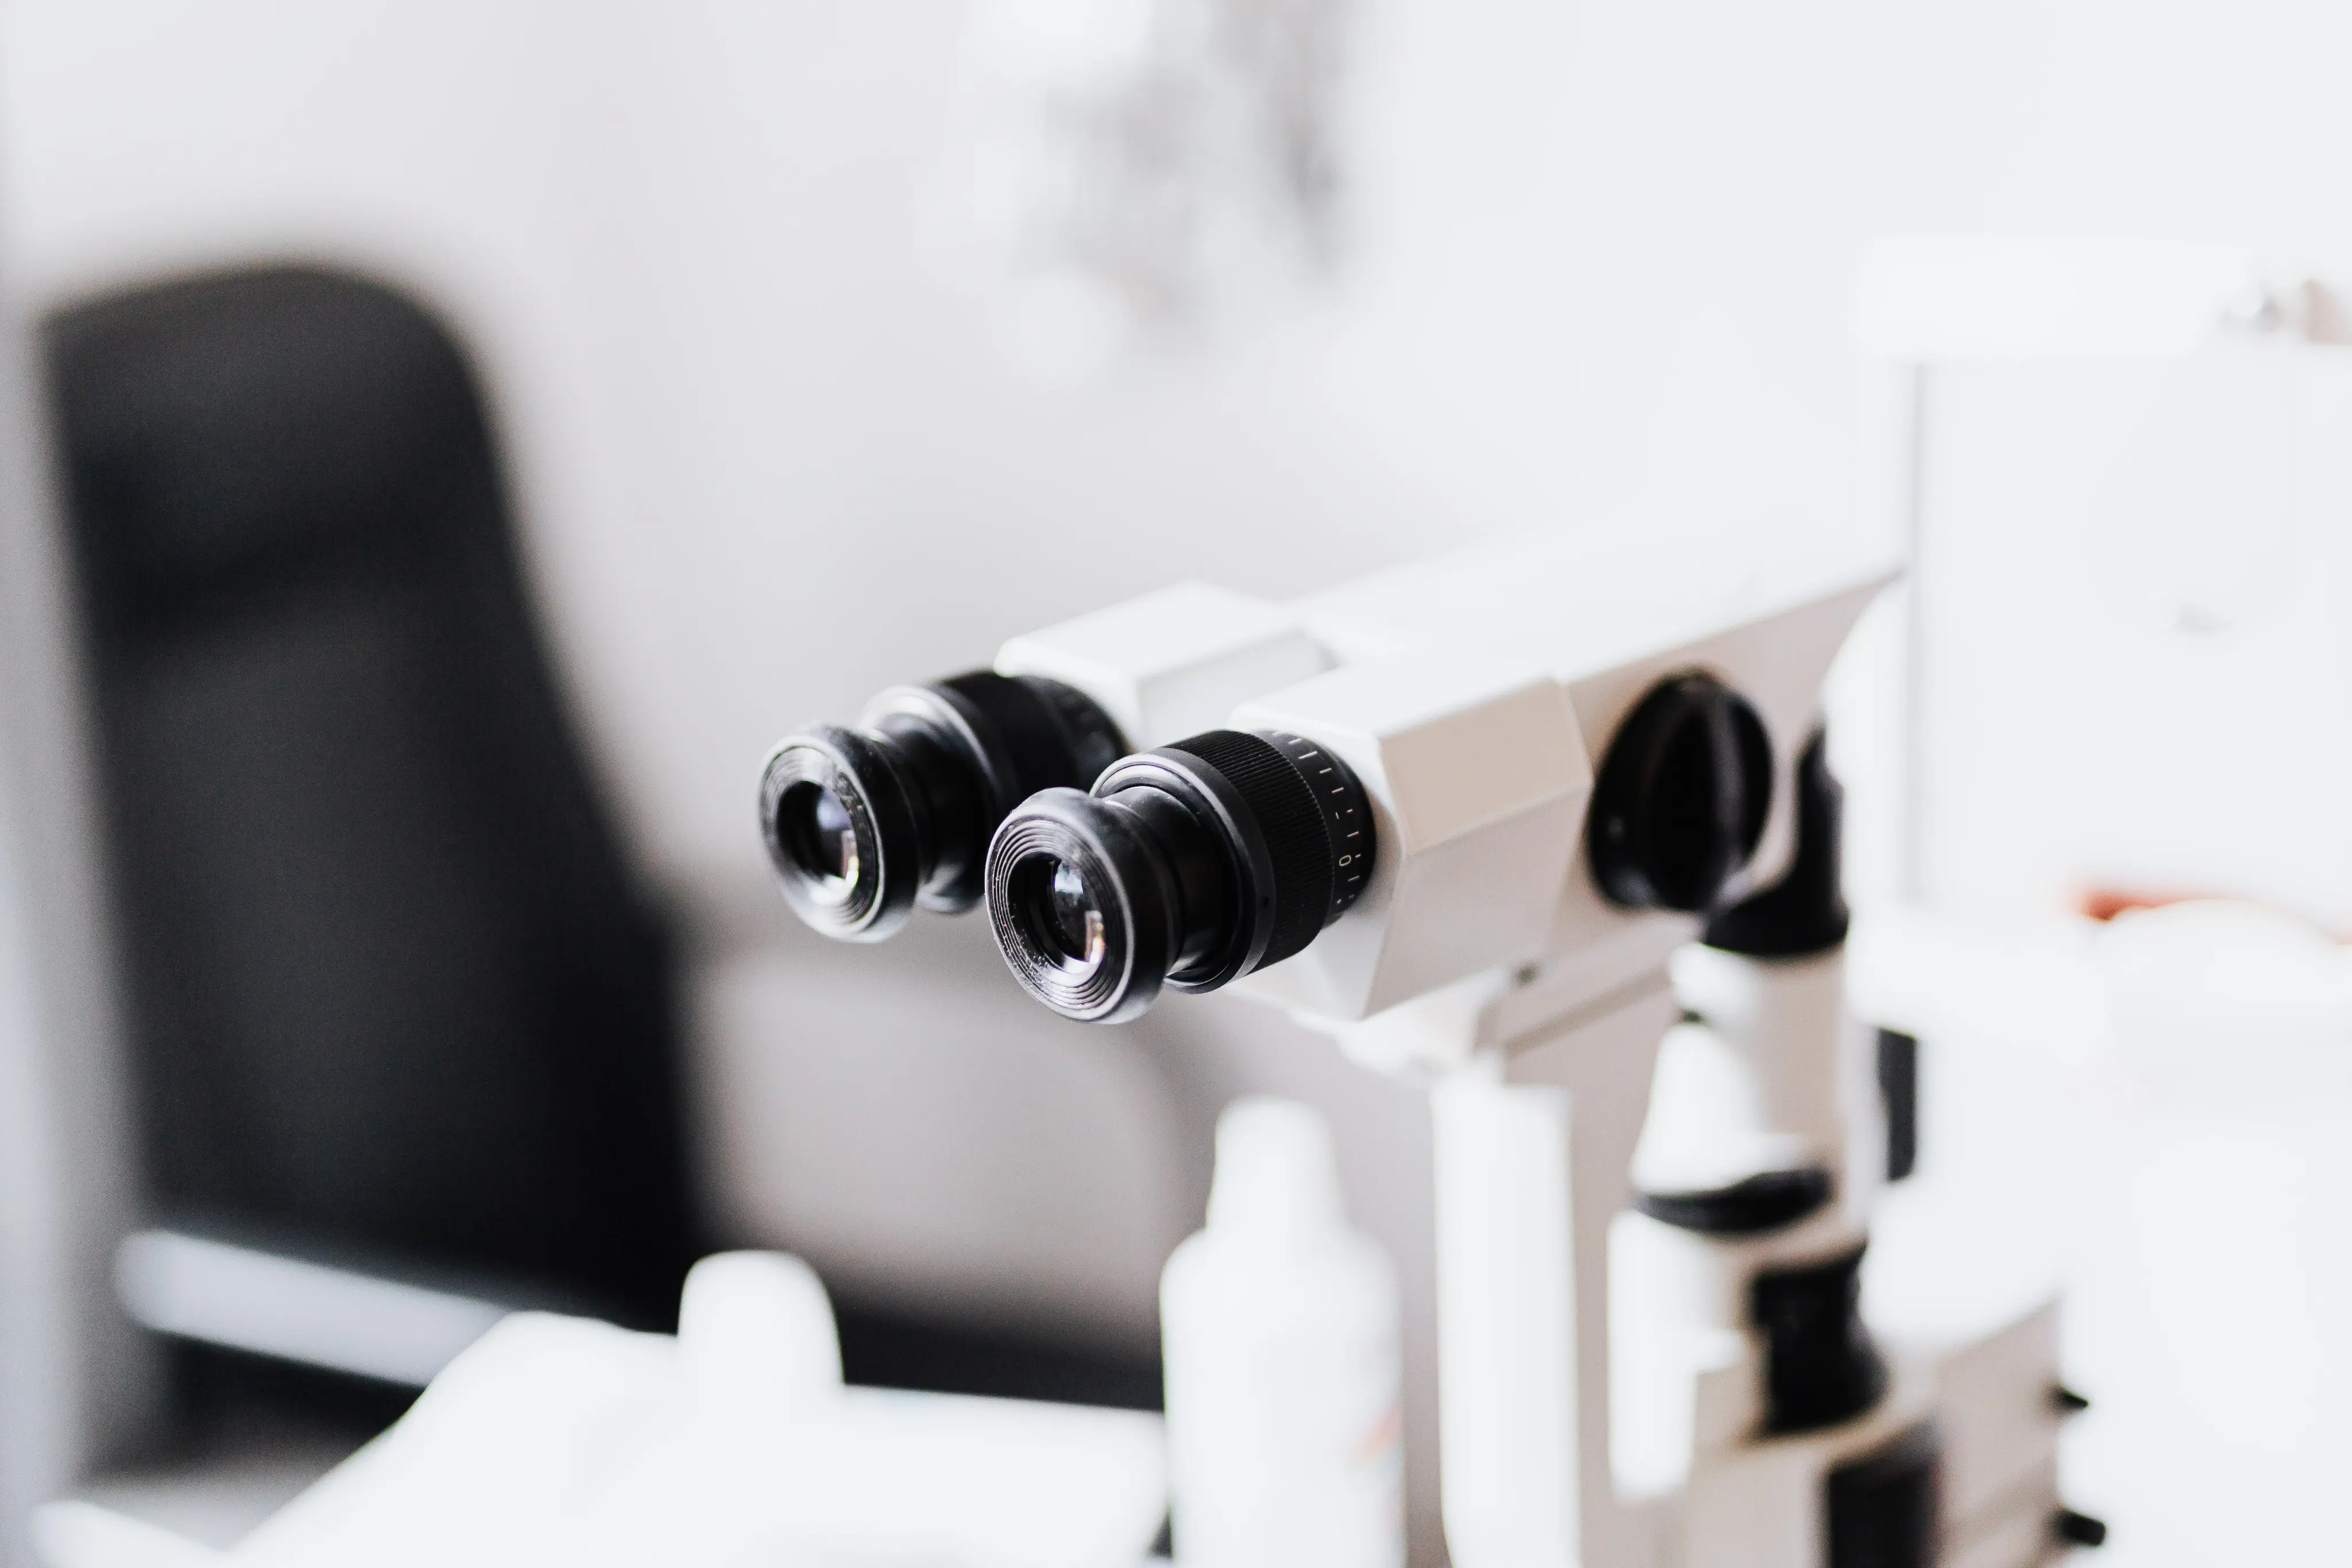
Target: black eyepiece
1186	866
864	825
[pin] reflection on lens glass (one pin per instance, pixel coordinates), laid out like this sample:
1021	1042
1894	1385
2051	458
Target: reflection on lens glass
1059	913
1076	921
818	832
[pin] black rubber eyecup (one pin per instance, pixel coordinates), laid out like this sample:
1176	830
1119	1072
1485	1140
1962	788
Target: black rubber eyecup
1079	906
863	890
965	733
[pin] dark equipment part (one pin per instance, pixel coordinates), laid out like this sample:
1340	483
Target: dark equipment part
1682	797
1898	1091
2078	1529
1804	912
886	1348
1758	1205
1820	1365
392	984
1188	866
1882	1507
865	824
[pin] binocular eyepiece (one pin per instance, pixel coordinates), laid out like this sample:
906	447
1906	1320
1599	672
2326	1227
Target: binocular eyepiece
1109	877
863	824
1188	867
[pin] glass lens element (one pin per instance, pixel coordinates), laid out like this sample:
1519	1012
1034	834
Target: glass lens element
1058	912
1076	922
817	832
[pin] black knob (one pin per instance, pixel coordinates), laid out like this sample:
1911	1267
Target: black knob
1820	1366
1682	797
2078	1529
1804	912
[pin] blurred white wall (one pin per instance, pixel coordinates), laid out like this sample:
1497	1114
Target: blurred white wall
75	1383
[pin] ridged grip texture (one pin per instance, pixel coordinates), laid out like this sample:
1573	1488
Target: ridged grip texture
1290	818
1034	733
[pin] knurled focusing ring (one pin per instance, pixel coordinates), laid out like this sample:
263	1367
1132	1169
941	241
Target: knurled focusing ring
1299	830
1283	806
1347	816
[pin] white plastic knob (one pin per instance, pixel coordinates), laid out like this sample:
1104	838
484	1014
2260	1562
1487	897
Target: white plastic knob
756	1337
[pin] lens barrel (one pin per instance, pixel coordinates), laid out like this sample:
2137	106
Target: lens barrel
863	824
1186	867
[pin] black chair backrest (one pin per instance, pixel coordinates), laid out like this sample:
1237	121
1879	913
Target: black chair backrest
393	989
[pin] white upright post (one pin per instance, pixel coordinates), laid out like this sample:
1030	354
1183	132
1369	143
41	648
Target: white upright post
1534	1141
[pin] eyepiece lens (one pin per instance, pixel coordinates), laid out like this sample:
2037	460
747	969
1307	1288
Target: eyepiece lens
1076	921
1185	867
1058	912
817	834
862	825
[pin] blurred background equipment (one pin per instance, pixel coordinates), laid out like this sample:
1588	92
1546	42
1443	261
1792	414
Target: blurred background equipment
565	1439
1278	1327
393	997
2128	507
2126	521
1141	175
